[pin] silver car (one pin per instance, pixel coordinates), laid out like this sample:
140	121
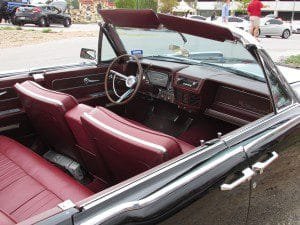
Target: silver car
274	27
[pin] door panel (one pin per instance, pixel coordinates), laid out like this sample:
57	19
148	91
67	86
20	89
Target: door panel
275	194
86	85
13	120
216	206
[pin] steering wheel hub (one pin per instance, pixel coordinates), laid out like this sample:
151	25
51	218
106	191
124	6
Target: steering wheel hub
130	81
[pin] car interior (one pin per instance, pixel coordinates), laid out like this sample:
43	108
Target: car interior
76	143
68	134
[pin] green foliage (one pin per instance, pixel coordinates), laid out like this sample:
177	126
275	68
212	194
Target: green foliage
137	4
47	30
168	5
242	9
147	4
294	60
125	4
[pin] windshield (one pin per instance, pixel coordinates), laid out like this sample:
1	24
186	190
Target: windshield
172	46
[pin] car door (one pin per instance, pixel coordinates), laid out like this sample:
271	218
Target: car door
272	147
55	15
208	186
13	120
274	155
84	81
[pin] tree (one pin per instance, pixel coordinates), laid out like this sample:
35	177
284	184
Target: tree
126	4
242	9
137	4
168	5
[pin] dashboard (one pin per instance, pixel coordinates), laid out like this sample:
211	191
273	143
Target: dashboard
202	89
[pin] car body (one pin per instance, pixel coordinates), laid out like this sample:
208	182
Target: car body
8	8
274	27
211	135
295	26
197	17
235	21
43	15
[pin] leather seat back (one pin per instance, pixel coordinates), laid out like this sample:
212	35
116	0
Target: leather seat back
127	148
46	109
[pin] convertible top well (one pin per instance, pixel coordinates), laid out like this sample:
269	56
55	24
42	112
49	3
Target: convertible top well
147	19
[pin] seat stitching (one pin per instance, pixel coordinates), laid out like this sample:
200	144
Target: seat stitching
31	176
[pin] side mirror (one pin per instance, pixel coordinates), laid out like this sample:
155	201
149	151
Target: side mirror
86	53
267	23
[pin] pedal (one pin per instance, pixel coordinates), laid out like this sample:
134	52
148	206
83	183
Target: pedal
68	164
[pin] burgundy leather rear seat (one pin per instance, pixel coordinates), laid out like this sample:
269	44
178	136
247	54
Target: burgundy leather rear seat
30	185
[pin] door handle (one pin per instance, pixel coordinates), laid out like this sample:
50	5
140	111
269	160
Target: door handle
260	166
3	93
87	81
247	175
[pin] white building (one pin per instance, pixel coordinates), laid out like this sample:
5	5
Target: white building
282	8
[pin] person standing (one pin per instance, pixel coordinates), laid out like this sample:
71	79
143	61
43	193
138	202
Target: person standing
225	11
254	12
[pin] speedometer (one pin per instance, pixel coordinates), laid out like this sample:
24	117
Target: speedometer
158	78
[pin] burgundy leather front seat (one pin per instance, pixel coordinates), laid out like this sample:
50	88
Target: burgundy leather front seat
46	110
53	114
127	147
30	185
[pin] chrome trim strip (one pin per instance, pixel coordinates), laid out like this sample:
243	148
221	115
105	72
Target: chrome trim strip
135	205
10	127
267	118
41	97
225	117
275	132
124	135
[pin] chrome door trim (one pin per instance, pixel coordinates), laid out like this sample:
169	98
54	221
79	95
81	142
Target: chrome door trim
163	192
276	132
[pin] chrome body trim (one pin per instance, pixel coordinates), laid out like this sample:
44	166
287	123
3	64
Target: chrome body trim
163	192
225	117
276	132
124	135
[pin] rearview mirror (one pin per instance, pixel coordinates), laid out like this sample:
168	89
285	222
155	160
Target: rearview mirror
174	48
179	50
86	53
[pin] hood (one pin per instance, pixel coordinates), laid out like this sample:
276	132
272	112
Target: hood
148	19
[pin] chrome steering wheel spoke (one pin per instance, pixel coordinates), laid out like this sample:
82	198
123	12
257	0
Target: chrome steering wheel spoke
125	95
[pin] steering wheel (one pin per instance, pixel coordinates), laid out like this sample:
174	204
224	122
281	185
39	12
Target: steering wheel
132	82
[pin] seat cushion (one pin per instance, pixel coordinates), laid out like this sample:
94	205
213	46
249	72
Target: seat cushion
46	110
128	148
92	159
30	185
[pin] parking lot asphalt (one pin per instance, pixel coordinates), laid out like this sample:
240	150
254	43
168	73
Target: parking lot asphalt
66	51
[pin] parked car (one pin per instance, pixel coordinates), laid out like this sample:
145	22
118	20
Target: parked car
8	8
43	16
197	17
193	123
274	27
235	21
295	26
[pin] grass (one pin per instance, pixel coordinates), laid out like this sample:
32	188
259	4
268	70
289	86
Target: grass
47	30
293	60
9	28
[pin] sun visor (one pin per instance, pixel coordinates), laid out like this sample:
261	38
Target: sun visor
146	19
197	28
